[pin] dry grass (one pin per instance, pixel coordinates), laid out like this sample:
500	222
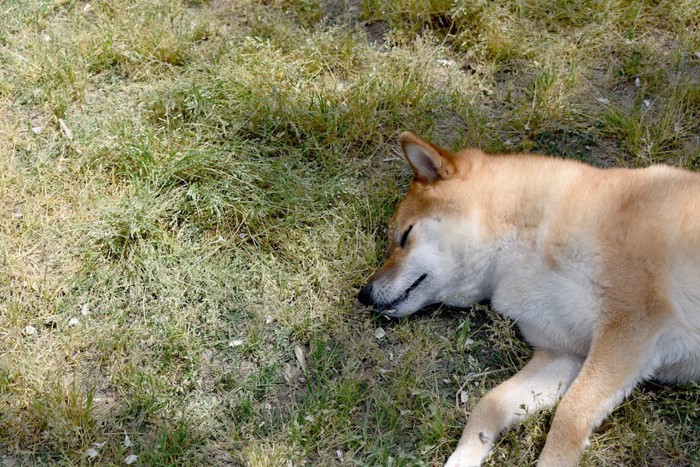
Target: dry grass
202	185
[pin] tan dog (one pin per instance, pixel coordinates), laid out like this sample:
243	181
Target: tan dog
600	269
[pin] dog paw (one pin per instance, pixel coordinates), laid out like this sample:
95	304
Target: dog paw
460	464
459	458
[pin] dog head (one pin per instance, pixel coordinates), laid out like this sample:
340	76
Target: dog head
438	252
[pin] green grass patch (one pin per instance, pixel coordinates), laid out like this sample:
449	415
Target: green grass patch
193	190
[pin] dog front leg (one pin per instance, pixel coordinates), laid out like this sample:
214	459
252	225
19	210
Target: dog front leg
615	364
543	380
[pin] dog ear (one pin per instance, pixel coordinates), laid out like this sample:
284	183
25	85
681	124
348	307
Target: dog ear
428	161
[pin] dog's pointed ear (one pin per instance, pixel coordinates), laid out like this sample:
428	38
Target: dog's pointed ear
428	161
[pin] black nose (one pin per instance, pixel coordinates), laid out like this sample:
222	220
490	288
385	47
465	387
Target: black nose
365	295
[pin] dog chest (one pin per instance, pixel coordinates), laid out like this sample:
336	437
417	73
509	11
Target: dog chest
553	309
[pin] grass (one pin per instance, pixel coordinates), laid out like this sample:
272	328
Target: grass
204	184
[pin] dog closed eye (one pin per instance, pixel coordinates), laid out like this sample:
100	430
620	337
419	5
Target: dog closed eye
404	237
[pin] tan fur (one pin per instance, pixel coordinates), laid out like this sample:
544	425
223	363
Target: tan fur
599	268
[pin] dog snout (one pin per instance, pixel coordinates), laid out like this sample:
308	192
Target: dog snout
364	296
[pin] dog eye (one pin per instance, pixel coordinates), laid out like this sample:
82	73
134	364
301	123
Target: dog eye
404	237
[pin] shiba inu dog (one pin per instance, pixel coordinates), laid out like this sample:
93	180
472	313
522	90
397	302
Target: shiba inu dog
599	268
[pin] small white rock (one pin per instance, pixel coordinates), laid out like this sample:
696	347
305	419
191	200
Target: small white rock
379	333
647	102
339	454
30	330
446	63
637	82
603	100
268	320
127	441
463	397
130	459
84	309
46	37
73	321
17	215
37	130
92	453
310	418
236	343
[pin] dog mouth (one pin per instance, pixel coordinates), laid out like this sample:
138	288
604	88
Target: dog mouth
389	309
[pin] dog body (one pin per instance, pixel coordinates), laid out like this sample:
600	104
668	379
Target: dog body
600	269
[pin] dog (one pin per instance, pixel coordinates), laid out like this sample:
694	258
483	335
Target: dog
599	269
